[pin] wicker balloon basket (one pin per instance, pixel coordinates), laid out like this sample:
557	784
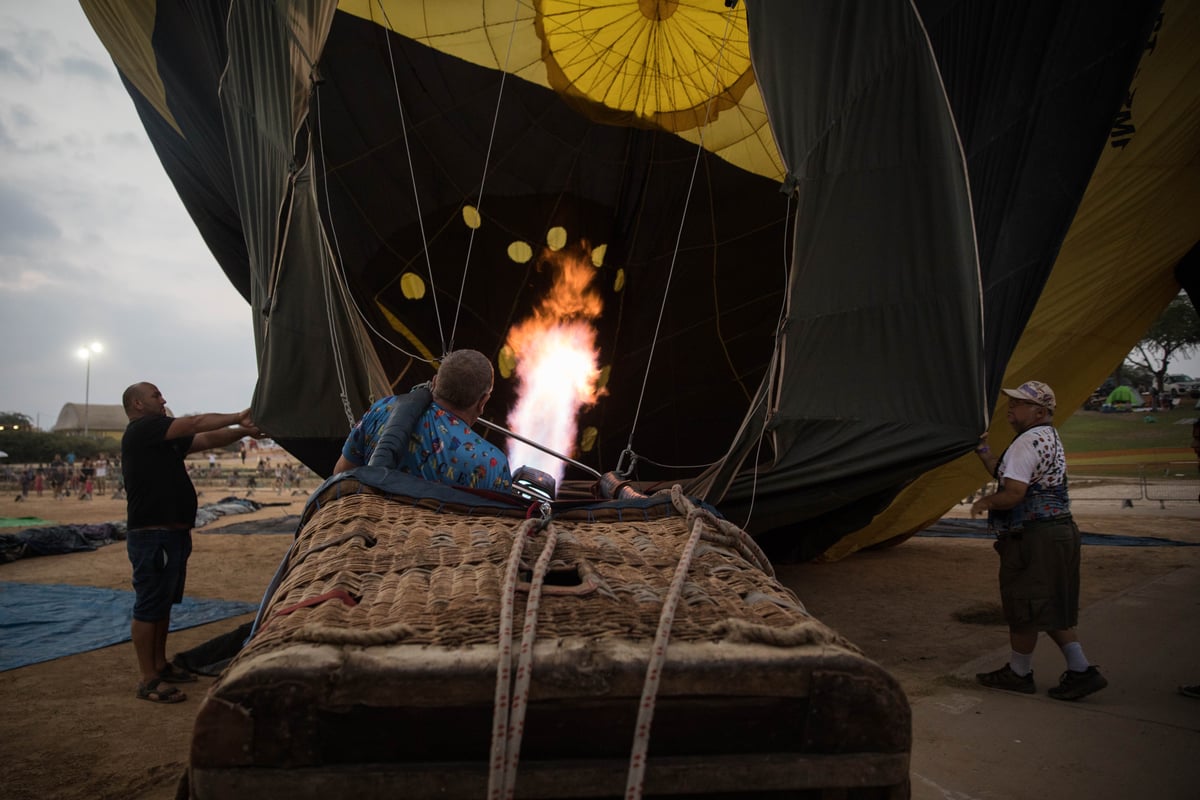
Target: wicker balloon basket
416	648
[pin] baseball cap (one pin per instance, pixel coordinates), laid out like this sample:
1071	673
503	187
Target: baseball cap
1034	392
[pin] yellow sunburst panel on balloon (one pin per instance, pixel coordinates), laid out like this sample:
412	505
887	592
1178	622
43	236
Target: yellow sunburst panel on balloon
659	64
668	63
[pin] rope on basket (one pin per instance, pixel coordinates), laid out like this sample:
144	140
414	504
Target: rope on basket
508	713
698	518
740	631
723	532
330	634
511	702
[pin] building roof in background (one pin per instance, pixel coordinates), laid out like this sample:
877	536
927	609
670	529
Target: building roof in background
99	418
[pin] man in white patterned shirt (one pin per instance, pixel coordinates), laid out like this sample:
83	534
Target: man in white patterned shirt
1039	547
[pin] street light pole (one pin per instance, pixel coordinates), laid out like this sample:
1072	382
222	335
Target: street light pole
86	354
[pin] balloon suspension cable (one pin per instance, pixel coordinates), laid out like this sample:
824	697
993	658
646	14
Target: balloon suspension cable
679	235
335	343
649	460
412	173
565	459
344	282
487	158
985	409
773	370
339	363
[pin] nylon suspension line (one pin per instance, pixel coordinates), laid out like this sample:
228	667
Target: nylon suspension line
335	344
413	176
486	163
343	283
774	370
678	237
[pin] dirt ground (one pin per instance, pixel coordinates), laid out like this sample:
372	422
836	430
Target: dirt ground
71	728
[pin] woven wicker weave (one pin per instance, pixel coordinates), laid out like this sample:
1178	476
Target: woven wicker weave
434	578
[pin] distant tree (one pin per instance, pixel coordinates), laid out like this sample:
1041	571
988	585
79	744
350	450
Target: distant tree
12	419
36	447
1174	335
1127	374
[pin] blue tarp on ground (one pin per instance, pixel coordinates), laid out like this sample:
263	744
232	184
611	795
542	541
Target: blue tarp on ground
41	622
977	529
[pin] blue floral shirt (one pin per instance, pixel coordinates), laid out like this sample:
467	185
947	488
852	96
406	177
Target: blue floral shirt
442	448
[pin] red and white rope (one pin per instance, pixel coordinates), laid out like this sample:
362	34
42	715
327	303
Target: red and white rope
500	706
520	698
510	703
635	778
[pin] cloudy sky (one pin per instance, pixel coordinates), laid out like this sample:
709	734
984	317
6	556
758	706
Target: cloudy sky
94	242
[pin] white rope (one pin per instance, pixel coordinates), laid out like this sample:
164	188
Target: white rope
520	698
679	235
511	701
487	159
636	777
498	760
413	175
501	701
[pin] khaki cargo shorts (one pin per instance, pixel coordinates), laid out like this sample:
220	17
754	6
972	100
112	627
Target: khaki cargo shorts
1039	575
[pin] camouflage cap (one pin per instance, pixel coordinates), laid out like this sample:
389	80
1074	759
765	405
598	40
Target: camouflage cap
1034	392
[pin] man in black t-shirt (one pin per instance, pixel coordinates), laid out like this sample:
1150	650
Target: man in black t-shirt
161	509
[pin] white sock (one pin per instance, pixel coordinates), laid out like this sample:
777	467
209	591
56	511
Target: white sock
1073	652
1021	663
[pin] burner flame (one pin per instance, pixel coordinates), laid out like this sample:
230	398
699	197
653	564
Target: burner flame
556	368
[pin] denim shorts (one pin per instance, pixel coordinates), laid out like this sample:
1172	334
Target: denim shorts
159	558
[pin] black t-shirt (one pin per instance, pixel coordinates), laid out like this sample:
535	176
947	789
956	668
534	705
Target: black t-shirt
157	485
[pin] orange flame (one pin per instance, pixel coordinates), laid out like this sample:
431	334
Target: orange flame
556	356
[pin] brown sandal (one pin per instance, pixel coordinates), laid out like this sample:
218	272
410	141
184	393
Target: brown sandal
158	691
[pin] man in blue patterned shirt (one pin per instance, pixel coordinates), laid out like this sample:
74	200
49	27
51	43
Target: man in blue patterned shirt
1038	543
442	447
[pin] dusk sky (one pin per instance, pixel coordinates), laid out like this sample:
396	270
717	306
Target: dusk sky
95	244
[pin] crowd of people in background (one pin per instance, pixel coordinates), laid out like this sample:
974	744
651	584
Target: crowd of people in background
66	477
266	474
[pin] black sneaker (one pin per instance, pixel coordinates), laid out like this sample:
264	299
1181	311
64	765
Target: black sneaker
1074	685
1005	678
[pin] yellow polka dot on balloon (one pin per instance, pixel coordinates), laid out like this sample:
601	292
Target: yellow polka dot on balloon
520	252
602	380
412	286
471	217
619	281
587	440
598	255
556	237
506	361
